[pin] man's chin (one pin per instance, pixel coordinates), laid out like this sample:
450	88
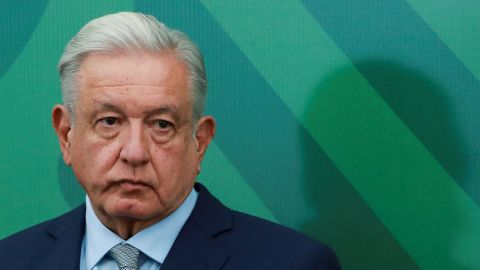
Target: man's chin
129	208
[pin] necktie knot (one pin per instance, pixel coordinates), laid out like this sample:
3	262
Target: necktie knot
126	256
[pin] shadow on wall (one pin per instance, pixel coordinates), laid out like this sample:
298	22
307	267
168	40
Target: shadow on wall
422	106
344	220
71	190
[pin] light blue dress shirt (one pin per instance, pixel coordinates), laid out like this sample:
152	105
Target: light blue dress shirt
154	242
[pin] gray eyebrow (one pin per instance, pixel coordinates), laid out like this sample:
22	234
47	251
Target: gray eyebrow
105	106
166	109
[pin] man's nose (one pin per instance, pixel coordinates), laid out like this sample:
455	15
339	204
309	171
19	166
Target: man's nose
135	146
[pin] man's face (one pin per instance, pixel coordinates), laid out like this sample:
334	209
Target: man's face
132	146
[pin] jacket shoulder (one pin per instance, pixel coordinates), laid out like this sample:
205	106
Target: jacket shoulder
34	242
280	244
250	242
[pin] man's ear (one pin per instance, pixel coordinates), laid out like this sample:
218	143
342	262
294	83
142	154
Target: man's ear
61	124
204	135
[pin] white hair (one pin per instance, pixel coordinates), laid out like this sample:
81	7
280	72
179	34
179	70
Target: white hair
130	31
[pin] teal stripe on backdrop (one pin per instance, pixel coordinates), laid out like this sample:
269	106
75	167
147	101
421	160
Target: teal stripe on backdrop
18	20
222	179
457	24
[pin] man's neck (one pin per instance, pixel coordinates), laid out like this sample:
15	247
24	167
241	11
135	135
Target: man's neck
126	227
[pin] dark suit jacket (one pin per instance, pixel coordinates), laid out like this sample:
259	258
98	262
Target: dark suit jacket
214	237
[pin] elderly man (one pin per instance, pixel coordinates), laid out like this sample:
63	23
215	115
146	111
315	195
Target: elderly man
131	128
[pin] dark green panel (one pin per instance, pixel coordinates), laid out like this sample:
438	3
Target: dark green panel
18	20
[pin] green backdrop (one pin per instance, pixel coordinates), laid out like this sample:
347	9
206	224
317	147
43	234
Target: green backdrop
355	122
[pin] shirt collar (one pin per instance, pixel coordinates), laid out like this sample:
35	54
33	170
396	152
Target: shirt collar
154	241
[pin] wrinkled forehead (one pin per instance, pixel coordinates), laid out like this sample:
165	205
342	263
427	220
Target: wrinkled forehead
109	76
138	67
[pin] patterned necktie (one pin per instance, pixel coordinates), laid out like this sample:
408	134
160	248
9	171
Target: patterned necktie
126	256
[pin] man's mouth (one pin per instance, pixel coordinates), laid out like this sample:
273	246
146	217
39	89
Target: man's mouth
130	185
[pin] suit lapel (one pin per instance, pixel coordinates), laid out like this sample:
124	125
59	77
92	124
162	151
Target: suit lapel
195	250
67	235
195	246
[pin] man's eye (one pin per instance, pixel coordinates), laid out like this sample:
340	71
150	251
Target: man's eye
162	124
108	127
109	121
